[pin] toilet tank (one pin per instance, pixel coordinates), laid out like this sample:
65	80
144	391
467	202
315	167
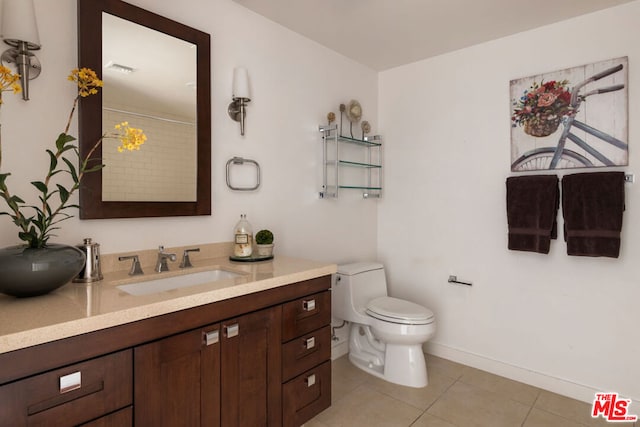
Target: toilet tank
354	286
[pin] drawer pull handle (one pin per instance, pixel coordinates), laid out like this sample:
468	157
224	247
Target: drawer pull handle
310	343
310	380
232	330
309	305
70	382
211	337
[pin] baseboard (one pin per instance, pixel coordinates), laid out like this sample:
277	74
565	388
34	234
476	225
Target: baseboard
553	384
339	350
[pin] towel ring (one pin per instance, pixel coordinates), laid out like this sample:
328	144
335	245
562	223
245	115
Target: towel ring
240	161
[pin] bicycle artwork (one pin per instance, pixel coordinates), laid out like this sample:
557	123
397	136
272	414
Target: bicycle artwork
573	118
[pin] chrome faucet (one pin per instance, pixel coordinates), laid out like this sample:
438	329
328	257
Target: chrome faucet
136	269
186	261
161	264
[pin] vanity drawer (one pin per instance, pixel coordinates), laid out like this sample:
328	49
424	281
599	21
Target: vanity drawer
305	352
307	395
71	395
304	315
122	418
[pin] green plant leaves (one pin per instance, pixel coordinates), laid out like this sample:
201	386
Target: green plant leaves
63	140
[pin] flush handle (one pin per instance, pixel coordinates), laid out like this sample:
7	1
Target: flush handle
70	382
211	337
310	343
310	380
232	330
309	305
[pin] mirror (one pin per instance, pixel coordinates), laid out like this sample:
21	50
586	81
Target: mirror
157	76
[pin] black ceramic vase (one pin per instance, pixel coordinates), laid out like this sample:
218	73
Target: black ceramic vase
29	272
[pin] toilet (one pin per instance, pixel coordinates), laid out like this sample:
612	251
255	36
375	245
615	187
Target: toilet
386	333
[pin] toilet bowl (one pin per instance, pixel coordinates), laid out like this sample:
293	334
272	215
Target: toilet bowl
386	333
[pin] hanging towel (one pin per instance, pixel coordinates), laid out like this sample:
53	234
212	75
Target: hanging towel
592	205
532	206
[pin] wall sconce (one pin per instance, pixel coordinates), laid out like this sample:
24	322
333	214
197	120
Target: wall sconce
20	31
241	96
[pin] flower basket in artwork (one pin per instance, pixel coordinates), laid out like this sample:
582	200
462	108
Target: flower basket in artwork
542	126
541	108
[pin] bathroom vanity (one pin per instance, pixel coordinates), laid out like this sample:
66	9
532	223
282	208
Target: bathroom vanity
249	350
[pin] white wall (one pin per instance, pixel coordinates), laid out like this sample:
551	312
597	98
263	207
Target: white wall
566	323
295	83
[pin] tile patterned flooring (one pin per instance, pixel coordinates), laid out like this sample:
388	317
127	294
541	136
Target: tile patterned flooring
457	395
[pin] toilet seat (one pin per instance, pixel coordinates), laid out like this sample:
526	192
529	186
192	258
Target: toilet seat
395	310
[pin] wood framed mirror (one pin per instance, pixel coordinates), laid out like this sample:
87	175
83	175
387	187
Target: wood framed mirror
170	99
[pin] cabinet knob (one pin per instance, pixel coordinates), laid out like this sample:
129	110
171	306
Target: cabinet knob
211	337
231	331
70	382
310	380
309	305
310	343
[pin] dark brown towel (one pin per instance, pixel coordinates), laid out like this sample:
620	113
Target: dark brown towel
592	205
532	206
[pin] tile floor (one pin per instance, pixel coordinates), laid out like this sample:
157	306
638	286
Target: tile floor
457	395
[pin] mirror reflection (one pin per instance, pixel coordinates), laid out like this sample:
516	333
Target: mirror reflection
156	92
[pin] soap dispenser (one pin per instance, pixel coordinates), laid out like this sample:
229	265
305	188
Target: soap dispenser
91	271
243	238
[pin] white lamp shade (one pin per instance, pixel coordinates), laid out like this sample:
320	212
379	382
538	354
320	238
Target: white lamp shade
19	23
240	83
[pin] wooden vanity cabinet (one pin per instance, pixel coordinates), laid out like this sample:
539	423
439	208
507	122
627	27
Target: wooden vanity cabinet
261	359
306	359
72	395
178	380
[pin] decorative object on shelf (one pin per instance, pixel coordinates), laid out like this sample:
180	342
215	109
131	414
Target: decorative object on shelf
29	272
36	228
366	128
589	137
243	238
20	31
343	108
331	117
264	243
241	96
354	114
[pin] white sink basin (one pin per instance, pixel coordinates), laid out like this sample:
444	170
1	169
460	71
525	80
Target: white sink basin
177	282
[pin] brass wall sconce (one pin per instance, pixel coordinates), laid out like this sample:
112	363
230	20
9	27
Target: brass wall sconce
20	31
241	96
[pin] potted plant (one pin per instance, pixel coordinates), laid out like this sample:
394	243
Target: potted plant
37	222
264	243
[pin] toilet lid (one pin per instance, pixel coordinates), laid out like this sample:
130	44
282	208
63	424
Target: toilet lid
399	311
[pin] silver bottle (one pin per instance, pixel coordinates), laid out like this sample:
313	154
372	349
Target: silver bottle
91	271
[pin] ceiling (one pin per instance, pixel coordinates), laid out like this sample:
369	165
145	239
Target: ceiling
383	34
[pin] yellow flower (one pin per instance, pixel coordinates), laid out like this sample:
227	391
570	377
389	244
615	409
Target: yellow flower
8	81
130	138
87	81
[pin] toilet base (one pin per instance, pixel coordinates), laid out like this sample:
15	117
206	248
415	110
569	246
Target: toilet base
399	364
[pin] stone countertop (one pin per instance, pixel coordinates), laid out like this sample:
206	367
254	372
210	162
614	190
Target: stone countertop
78	308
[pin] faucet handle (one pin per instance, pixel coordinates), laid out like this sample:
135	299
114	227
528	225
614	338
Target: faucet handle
136	269
186	261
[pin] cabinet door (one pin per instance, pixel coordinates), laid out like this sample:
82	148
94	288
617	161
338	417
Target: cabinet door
177	380
251	370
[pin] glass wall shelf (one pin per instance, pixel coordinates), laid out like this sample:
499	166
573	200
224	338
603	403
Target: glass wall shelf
367	155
